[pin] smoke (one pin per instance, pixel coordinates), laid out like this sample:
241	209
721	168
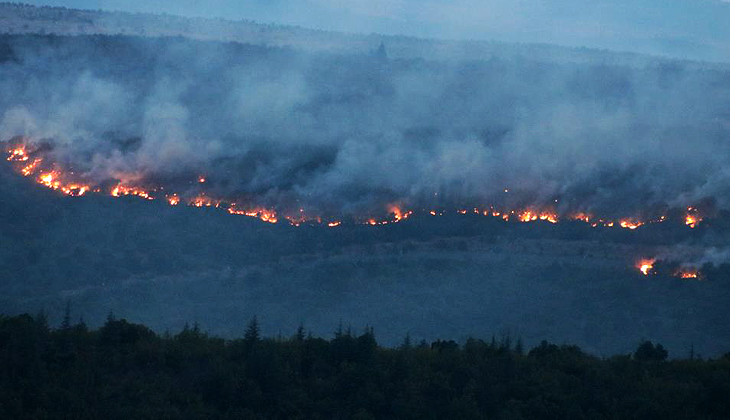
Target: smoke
695	257
349	134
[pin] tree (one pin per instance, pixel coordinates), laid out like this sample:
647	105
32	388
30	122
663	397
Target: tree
252	331
382	55
66	323
647	351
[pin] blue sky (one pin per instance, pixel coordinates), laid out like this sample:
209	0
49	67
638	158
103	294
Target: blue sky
698	29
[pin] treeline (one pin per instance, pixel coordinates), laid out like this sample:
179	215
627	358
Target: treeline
124	371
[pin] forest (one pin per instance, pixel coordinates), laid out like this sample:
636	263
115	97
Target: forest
125	370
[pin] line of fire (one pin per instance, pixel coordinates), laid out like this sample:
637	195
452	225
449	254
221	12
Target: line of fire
28	161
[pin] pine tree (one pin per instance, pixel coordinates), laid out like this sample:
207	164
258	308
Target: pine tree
252	331
66	323
406	342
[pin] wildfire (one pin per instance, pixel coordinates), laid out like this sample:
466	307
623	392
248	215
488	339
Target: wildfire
531	216
630	224
262	214
398	214
49	180
690	274
173	200
527	216
30	168
645	266
205	201
121	190
28	160
17	155
692	219
583	217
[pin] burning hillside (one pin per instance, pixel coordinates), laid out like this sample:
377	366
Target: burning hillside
35	162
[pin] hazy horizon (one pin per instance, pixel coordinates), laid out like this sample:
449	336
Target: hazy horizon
676	28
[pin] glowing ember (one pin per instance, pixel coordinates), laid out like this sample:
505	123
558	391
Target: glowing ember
17	155
205	201
582	217
630	224
30	168
645	266
28	160
688	274
75	190
262	214
527	216
550	217
121	190
692	219
174	200
398	214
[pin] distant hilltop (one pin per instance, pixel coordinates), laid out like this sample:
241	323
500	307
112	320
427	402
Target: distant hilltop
18	18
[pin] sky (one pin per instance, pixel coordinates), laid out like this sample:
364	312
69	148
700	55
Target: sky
693	29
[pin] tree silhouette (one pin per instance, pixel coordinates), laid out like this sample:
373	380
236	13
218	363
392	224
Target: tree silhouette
647	351
252	333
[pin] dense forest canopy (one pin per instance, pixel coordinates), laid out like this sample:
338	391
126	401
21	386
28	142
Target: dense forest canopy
124	370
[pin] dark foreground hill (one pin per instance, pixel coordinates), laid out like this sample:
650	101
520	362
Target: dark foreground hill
124	371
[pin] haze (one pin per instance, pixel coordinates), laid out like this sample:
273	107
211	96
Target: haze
696	29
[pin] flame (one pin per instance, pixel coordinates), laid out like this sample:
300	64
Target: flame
205	201
26	161
17	155
690	274
50	180
630	224
30	168
174	200
121	190
398	214
645	266
692	219
527	216
531	216
583	217
75	189
261	214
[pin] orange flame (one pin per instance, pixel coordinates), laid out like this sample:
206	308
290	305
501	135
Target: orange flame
689	274
692	219
121	190
262	214
645	266
630	224
174	200
204	201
